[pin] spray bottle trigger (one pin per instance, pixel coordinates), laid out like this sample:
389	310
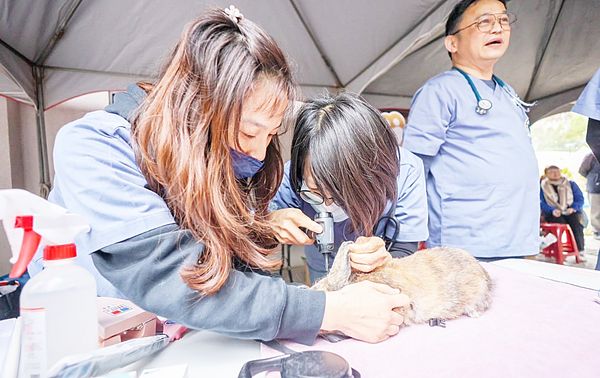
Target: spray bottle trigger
31	241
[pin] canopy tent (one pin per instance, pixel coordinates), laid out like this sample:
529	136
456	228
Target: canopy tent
51	51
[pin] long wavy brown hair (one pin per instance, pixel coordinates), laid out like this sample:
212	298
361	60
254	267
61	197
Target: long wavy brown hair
183	132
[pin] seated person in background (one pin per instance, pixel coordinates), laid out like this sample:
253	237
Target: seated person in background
346	160
562	202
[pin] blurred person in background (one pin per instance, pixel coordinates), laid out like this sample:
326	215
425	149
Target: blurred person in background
562	202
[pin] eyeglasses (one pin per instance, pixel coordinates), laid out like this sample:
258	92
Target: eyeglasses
486	22
313	198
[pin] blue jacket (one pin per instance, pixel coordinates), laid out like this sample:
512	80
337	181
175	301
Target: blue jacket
577	200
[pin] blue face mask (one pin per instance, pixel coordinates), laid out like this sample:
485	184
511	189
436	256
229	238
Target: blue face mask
244	165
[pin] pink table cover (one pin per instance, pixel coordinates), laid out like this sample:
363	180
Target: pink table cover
535	328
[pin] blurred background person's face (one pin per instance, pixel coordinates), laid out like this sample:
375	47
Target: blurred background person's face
553	174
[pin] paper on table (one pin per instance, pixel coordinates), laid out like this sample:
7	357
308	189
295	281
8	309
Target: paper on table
586	278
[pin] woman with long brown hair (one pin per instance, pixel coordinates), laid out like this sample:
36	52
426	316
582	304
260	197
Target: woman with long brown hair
346	161
175	179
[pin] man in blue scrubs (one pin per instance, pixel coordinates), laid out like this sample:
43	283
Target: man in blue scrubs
472	133
588	105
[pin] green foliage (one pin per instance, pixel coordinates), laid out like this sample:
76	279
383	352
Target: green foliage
560	132
560	140
567	173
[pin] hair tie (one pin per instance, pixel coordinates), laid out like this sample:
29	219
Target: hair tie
234	14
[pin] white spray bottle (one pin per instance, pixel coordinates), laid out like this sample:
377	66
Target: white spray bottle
58	305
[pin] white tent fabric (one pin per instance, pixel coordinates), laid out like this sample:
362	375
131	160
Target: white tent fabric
554	51
385	49
51	51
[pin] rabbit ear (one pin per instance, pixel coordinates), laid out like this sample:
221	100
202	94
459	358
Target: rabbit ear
339	275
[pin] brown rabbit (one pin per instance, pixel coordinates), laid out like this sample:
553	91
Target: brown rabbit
442	283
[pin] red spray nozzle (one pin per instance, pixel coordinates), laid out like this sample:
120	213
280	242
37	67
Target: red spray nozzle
31	241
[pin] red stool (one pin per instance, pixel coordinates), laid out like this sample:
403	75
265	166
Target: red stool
565	244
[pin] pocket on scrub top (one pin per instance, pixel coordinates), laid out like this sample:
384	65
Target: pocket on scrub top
475	215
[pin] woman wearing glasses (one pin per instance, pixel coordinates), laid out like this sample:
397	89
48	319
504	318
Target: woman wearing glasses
175	178
346	161
472	132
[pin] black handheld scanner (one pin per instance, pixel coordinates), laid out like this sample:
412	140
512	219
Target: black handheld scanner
325	240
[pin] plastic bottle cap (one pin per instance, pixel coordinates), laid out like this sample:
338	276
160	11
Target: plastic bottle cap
59	252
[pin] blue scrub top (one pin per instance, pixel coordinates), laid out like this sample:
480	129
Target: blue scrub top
116	200
482	186
588	103
410	209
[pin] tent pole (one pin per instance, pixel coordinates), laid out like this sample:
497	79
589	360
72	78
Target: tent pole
38	74
69	7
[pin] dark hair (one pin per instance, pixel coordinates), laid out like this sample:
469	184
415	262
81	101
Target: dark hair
550	167
353	153
457	13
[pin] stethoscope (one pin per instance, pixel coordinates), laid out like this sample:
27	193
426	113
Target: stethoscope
387	220
484	105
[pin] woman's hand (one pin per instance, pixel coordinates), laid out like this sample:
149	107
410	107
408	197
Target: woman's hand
556	213
368	253
286	224
364	311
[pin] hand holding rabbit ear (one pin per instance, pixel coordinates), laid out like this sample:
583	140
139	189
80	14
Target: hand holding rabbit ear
368	253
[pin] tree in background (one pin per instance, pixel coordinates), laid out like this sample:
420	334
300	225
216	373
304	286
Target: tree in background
560	132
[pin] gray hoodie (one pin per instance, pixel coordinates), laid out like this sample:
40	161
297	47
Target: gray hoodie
146	269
